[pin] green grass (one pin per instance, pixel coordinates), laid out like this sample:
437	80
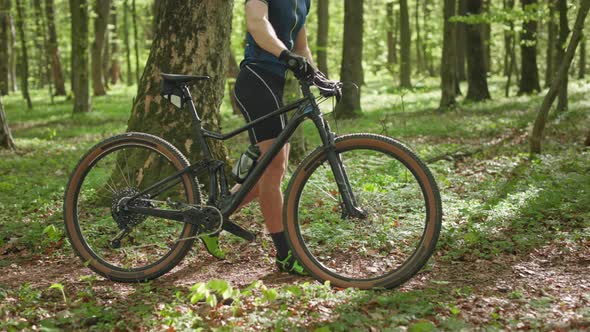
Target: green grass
496	202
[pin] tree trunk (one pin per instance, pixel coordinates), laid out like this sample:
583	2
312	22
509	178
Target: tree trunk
508	39
448	61
115	65
106	55
352	60
564	32
53	50
461	41
427	50
39	49
126	41
419	61
582	61
551	44
529	77
20	25
13	57
4	51
136	41
487	38
80	75
391	36
190	36
323	29
101	10
539	127
477	77
232	74
587	141
406	45
6	141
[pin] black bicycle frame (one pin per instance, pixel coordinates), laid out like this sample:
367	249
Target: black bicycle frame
307	107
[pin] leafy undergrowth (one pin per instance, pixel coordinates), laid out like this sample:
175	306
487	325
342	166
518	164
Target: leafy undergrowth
514	252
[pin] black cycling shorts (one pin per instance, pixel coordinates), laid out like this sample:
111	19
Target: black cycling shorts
259	92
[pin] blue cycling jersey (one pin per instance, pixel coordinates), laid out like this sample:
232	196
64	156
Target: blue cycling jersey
287	18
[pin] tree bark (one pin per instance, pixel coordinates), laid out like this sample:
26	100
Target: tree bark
190	36
101	10
582	61
540	121
80	75
13	57
4	51
405	46
6	140
477	77
115	65
352	60
391	36
448	61
127	42
529	77
461	41
487	38
20	25
136	41
53	50
551	43
564	32
323	30
419	60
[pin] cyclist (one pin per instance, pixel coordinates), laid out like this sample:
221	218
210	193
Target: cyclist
276	41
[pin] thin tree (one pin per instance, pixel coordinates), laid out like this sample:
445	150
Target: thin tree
540	121
461	41
508	38
419	60
101	10
6	140
20	25
582	60
448	61
136	40
13	56
115	65
487	37
476	64
391	35
352	60
552	29
564	32
39	49
80	75
126	41
4	51
529	77
405	46
53	50
153	114
323	30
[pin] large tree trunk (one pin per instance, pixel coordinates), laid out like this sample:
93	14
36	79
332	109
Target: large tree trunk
6	141
582	61
564	32
551	44
352	60
80	75
136	41
20	25
448	61
126	41
539	127
477	77
53	49
323	30
4	50
391	36
406	45
461	41
101	9
189	39
115	65
529	77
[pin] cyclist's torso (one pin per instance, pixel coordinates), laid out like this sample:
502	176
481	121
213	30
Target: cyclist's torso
287	18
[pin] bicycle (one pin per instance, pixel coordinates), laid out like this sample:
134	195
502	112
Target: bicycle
361	210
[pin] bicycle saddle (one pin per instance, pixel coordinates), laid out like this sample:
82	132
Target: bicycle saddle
186	79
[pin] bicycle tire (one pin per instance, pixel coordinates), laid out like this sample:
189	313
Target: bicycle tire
80	244
305	221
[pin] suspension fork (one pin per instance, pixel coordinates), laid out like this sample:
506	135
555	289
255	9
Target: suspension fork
351	208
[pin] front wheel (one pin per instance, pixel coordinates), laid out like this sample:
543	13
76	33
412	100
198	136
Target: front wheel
394	237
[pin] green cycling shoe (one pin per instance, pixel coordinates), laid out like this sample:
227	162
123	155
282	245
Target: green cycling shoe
211	243
291	265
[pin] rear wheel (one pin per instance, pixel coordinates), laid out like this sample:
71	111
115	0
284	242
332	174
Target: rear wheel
401	222
115	243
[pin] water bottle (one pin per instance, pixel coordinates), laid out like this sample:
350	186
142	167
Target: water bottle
246	164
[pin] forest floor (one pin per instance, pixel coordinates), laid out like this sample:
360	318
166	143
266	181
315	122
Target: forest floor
514	253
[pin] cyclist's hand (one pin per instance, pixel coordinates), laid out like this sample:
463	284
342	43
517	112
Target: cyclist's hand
297	64
328	88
